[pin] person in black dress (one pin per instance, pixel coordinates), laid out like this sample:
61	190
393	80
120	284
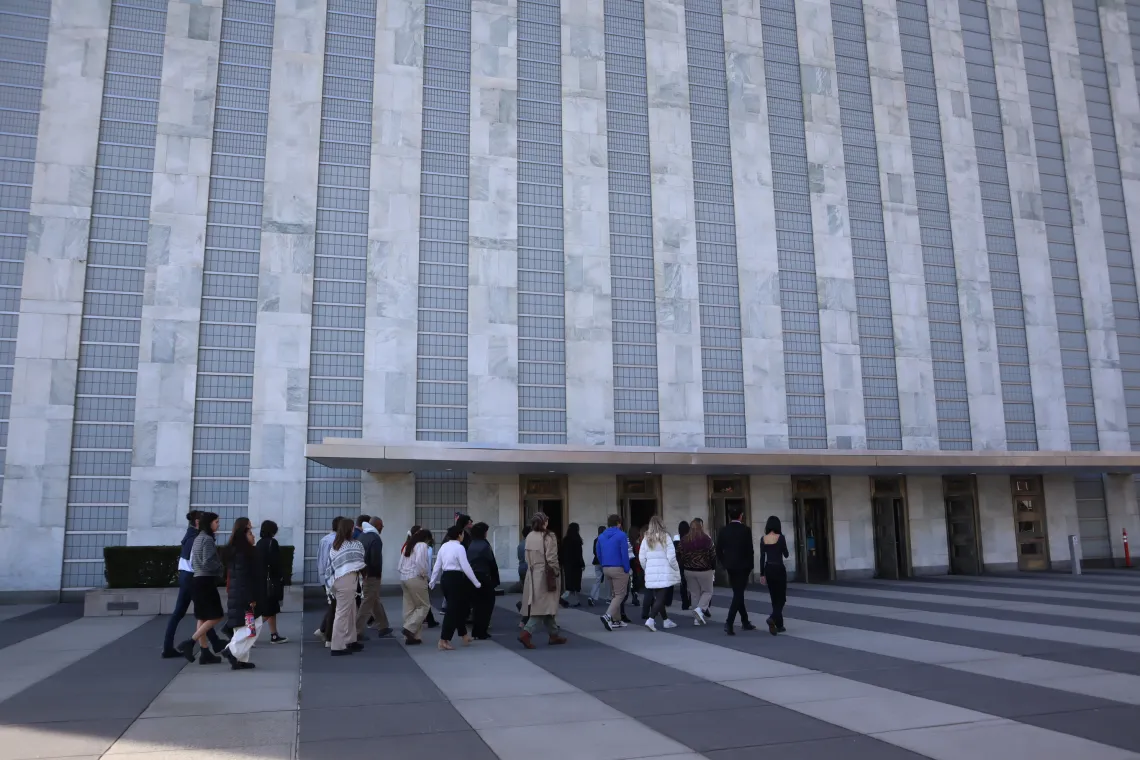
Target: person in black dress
275	575
246	585
773	574
573	565
481	557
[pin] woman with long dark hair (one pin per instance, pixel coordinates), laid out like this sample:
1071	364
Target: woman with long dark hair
430	620
415	572
208	568
482	559
275	575
698	561
773	574
246	587
454	573
573	565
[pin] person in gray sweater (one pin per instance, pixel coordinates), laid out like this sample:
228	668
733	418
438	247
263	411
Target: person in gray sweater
208	569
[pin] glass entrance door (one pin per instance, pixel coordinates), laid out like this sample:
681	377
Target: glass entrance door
812	513
639	499
546	495
962	525
1029	519
889	506
724	495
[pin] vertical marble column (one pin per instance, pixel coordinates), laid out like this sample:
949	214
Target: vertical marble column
926	519
771	495
765	404
1088	230
393	497
852	527
1029	226
585	198
285	273
917	410
394	225
995	523
971	259
835	274
1122	84
494	499
1123	513
591	500
674	227
683	498
172	291
492	318
51	300
1061	518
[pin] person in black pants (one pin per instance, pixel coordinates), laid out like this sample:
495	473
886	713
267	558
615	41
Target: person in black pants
453	572
773	574
185	593
735	554
482	559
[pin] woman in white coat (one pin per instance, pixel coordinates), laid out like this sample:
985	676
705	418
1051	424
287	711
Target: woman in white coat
659	563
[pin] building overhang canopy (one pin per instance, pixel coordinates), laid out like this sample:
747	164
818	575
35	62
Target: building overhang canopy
344	453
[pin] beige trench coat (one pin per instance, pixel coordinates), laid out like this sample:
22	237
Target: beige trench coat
541	550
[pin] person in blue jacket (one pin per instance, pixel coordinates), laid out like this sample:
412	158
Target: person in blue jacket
613	556
185	593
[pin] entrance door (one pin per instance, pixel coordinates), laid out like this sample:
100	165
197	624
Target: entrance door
962	525
1029	518
546	495
724	495
639	499
1092	521
812	514
889	506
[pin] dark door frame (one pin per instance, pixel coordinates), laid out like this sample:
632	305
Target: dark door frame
712	527
973	488
812	487
561	491
900	514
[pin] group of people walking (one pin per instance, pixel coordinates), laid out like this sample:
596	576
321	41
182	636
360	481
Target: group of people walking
255	585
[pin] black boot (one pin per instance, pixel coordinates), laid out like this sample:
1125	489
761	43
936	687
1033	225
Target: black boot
728	629
746	626
772	629
209	658
186	649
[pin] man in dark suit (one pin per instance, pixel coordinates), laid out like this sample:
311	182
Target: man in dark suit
735	554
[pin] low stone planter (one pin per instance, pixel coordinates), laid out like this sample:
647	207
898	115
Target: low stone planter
119	602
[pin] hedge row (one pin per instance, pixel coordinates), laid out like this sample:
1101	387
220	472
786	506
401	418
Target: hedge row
157	566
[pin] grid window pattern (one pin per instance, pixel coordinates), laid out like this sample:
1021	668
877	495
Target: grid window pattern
336	355
997	215
223	413
542	281
441	354
637	421
718	281
439	497
99	482
947	354
868	238
799	301
24	32
1055	199
1113	215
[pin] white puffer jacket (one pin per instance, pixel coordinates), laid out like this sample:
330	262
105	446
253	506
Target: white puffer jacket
660	565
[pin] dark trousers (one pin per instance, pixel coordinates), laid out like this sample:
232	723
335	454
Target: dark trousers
738	580
482	604
656	599
686	601
777	577
327	622
185	596
457	593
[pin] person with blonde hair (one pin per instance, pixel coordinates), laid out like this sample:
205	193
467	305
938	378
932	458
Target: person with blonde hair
659	563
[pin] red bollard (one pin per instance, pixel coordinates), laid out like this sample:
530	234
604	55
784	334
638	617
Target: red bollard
1127	553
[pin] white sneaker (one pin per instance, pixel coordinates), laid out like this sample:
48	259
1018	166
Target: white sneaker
700	616
651	624
319	634
619	624
669	624
328	645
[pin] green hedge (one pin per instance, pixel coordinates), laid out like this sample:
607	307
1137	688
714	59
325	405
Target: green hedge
157	566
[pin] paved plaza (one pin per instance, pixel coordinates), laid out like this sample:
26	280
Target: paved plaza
1003	667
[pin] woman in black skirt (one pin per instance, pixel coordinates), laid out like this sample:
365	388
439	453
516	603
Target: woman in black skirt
208	570
573	565
275	575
